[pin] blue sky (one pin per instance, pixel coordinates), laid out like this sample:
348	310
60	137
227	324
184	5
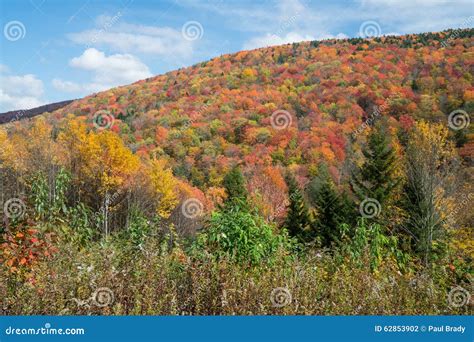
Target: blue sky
54	50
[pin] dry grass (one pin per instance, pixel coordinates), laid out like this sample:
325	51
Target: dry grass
160	281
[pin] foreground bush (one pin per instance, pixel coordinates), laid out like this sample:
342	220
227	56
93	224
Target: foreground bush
241	236
161	279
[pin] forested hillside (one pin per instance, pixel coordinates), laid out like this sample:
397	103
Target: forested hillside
324	177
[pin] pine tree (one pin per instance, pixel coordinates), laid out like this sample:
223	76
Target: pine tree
236	230
299	221
376	178
431	167
333	209
280	59
235	187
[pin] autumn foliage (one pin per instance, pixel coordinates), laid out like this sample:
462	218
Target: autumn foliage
301	134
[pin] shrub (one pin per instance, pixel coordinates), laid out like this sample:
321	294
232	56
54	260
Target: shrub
139	228
370	241
240	235
23	248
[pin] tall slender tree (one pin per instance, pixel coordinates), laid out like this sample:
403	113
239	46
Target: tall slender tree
431	166
299	220
332	208
376	178
235	188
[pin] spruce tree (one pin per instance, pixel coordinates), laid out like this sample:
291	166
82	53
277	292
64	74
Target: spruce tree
431	166
236	230
333	209
281	59
299	221
235	187
376	178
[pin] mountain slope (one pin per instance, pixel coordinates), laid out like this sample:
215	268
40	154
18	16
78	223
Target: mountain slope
296	104
15	115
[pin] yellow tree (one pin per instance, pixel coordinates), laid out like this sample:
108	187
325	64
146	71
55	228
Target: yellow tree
7	152
72	137
164	186
113	163
100	162
29	148
27	151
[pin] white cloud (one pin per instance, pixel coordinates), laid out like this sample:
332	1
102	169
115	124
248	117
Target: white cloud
276	22
108	71
4	68
252	16
293	21
272	39
113	69
124	37
66	86
19	91
437	15
290	37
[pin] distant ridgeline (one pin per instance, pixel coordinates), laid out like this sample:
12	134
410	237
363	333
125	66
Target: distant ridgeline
16	115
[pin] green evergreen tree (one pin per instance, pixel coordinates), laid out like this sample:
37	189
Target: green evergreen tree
431	168
299	220
333	209
235	187
281	59
376	178
236	230
460	138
